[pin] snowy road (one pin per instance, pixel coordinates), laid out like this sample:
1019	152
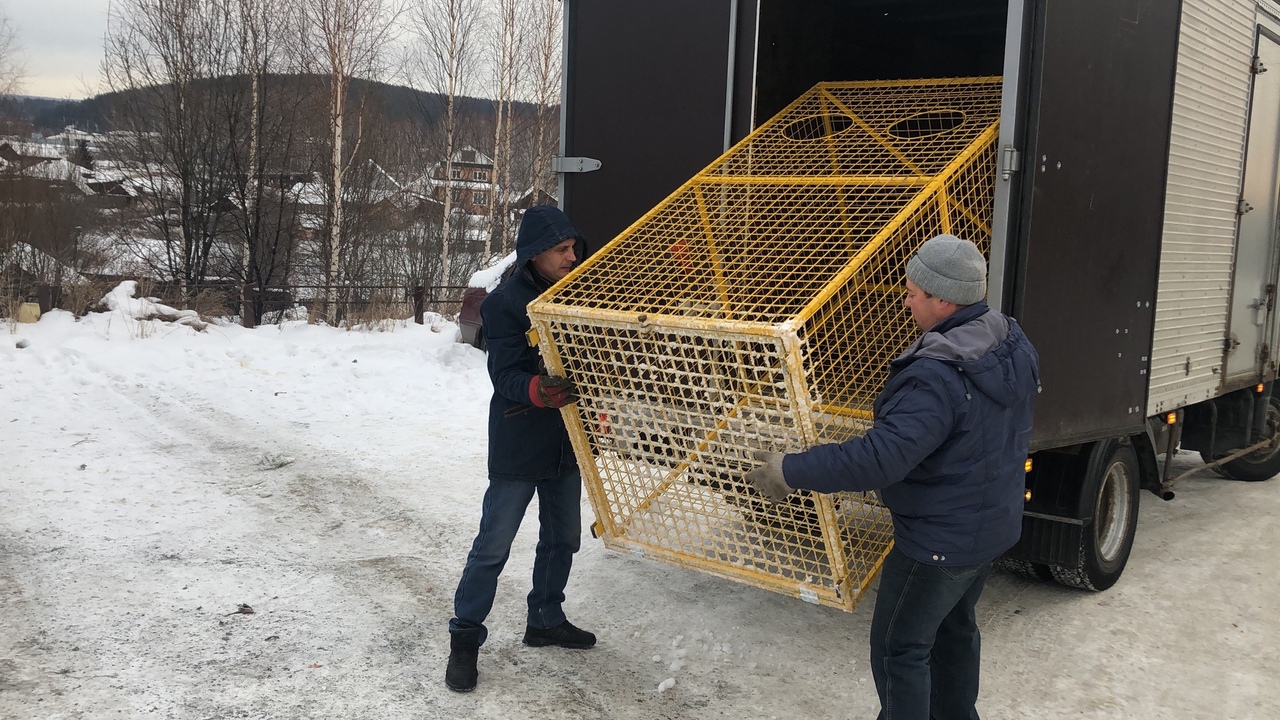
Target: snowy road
136	517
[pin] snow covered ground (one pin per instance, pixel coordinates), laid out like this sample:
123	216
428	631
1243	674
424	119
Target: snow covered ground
154	478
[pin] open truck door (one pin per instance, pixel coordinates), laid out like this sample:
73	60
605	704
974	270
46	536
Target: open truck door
1251	341
661	70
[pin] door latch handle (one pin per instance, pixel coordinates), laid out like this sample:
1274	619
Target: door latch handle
1259	308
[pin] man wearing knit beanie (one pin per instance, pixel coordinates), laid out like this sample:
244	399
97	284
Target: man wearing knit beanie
950	268
946	454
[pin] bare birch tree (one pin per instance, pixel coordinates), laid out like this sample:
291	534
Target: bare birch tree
506	31
11	68
345	39
544	51
257	22
269	147
446	30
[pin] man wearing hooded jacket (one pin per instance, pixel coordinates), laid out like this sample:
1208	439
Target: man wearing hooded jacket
947	453
529	452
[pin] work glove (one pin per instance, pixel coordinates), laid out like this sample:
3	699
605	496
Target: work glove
767	479
552	391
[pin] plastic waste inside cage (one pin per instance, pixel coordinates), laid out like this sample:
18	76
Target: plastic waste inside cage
758	307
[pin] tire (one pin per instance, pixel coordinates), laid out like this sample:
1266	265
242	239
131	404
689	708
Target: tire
1023	568
1111	491
1261	464
1217	469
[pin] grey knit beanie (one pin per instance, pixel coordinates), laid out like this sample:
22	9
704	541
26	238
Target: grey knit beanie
949	268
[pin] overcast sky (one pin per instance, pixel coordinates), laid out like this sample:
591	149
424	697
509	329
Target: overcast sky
61	44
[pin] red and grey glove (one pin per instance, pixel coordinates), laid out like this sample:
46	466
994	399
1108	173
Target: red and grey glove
552	391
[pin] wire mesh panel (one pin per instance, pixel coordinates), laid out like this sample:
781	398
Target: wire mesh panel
758	307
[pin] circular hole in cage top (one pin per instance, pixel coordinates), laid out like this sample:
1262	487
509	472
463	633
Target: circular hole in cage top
926	124
817	127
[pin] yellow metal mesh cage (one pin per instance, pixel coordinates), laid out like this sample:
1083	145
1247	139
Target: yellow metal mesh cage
757	307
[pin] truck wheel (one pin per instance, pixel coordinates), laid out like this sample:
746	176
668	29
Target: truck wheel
1025	568
1262	464
1111	485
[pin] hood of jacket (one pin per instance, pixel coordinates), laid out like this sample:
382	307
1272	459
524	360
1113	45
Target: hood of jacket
982	344
542	228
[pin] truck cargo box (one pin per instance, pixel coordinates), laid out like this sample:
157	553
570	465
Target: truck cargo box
1134	203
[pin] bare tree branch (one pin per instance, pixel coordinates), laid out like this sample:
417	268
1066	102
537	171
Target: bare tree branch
168	60
344	39
508	37
12	70
270	148
446	32
544	53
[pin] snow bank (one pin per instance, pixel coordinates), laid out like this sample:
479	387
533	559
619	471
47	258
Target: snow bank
121	300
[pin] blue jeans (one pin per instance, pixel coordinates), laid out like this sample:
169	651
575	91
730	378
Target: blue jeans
559	537
925	646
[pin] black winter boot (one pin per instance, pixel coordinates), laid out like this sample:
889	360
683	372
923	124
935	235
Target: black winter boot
461	674
565	635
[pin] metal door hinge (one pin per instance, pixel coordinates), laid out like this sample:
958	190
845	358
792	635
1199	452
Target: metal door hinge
1010	162
1257	68
571	164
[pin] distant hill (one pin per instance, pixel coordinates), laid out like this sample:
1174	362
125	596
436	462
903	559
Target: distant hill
39	99
26	108
400	103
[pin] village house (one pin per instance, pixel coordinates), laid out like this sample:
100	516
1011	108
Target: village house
470	181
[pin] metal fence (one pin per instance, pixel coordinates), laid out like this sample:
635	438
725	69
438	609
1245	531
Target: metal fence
352	304
374	302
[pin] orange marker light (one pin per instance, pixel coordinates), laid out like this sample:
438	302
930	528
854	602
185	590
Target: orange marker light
1028	496
1028	465
1171	418
1260	388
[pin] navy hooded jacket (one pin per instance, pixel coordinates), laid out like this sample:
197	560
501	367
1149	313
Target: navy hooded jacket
532	445
949	445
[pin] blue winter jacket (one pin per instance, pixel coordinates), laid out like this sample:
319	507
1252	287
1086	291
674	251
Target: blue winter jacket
949	444
532	445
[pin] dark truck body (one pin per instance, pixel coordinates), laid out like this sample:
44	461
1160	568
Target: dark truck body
1094	128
